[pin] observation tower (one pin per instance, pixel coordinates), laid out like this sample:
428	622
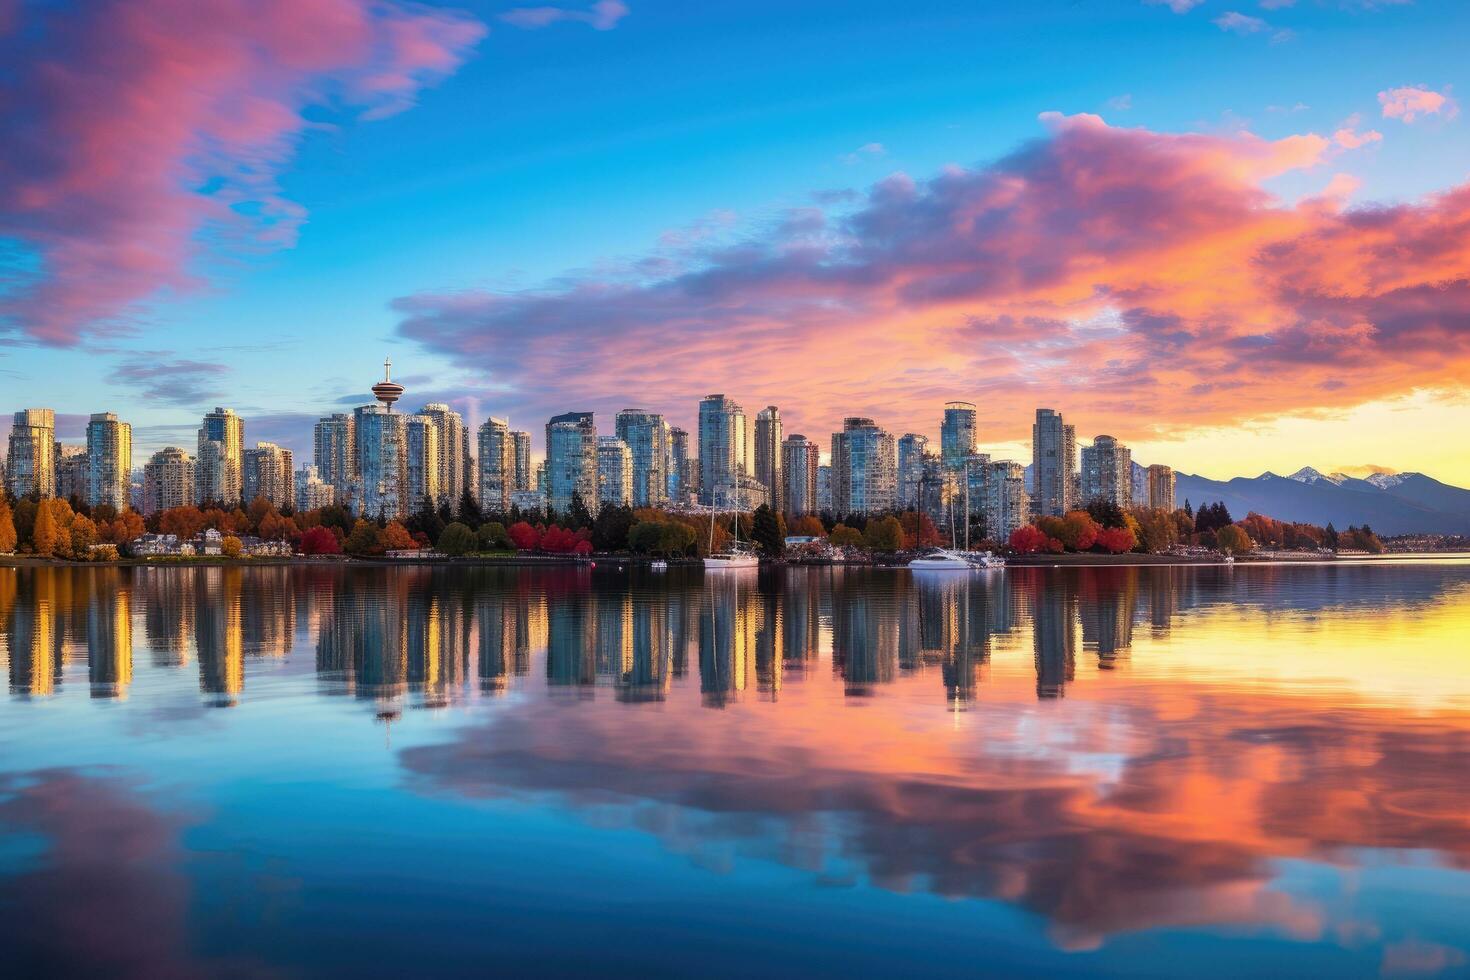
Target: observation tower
388	391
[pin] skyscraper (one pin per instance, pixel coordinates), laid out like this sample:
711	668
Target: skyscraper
30	461
219	473
679	487
912	448
1107	472
381	487
646	435
864	468
525	472
496	462
268	474
800	458
1006	505
423	463
168	480
824	489
312	492
957	433
449	452
571	461
768	455
614	472
109	461
1053	462
335	446
1161	487
71	472
723	452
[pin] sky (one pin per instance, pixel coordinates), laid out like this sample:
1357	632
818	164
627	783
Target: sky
1234	234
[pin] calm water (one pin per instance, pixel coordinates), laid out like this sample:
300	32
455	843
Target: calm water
1171	771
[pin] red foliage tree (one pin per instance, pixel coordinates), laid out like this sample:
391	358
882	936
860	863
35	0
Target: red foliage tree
1029	539
524	536
319	541
1116	540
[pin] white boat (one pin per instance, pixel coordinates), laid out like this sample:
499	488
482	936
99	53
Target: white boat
733	557
940	560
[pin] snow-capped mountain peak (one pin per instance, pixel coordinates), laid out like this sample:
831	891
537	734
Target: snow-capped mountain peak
1308	475
1385	481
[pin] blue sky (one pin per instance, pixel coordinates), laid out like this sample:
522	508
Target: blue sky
565	149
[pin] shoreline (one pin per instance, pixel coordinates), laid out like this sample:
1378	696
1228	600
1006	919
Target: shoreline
1086	560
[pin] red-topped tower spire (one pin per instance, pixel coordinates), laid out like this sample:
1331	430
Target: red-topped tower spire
388	391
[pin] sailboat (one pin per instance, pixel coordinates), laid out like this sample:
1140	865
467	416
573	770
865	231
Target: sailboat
736	554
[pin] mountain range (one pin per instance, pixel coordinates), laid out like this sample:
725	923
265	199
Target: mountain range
1397	503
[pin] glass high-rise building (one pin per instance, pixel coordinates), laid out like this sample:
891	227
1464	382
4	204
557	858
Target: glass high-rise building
381	488
497	465
723	451
269	474
109	461
864	468
525	472
220	473
800	459
1053	464
71	472
571	461
1161	487
448	461
1107	472
423	455
30	460
957	435
646	434
768	462
912	448
168	480
1007	506
615	470
679	464
335	453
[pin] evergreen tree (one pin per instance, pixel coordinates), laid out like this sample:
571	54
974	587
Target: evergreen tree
469	510
765	531
1105	512
578	516
610	529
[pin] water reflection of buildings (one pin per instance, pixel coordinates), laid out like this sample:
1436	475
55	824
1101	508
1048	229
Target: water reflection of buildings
728	621
434	636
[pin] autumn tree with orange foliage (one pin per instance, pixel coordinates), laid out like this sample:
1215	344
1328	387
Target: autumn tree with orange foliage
918	530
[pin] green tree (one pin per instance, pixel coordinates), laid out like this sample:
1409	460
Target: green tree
1232	540
675	538
765	531
458	539
493	537
884	534
843	536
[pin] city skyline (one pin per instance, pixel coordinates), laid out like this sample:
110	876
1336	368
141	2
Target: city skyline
1227	292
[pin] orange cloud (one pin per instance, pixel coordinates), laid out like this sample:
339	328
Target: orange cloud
1148	279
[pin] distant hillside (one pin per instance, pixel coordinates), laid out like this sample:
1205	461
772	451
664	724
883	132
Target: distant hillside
1397	503
1405	503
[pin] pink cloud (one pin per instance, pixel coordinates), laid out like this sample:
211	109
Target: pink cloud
1123	274
1411	101
601	16
120	113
